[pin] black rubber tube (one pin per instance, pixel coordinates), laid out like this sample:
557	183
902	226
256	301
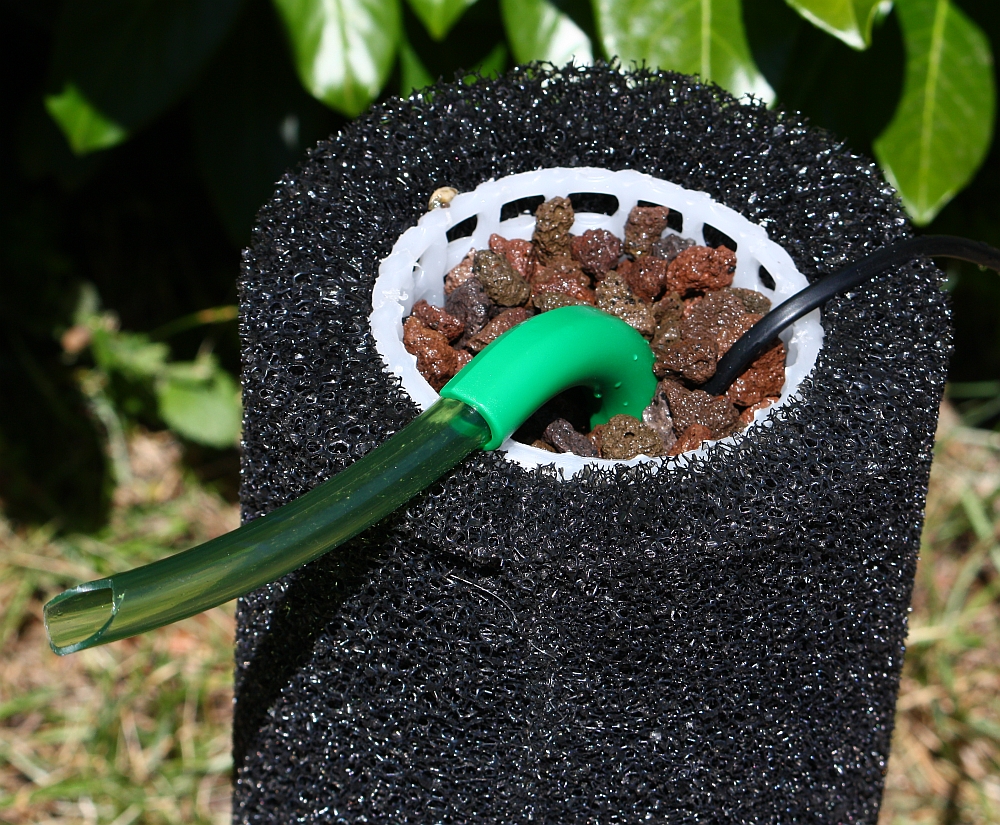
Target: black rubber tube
756	339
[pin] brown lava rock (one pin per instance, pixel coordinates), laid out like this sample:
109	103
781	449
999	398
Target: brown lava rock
597	250
689	407
700	268
646	277
755	302
471	305
519	253
626	437
765	377
460	273
614	296
670	246
691	439
508	319
438	319
721	315
693	358
553	220
436	360
500	280
563	276
643	228
553	300
565	439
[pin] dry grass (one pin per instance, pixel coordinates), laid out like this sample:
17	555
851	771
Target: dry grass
138	731
135	732
945	764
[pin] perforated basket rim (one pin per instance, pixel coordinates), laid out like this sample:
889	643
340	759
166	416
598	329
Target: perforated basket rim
422	255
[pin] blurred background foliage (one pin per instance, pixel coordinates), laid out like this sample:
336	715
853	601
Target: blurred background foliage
141	136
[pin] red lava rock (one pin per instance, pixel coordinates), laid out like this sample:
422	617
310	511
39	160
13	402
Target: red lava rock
693	358
597	250
746	417
500	280
508	319
626	437
519	253
437	319
561	435
460	273
464	357
564	280
701	267
545	301
613	295
643	228
436	360
689	407
691	439
471	305
646	277
544	445
670	246
764	377
553	220
755	302
657	417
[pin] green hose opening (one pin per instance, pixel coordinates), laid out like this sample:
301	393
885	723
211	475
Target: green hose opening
479	408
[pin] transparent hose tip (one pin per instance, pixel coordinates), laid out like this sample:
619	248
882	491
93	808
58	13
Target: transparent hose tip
79	618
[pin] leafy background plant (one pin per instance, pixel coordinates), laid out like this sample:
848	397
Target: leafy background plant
139	138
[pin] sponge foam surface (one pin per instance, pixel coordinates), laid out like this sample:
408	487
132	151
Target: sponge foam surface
716	642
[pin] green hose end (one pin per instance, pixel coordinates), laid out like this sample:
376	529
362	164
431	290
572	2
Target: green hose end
80	617
551	352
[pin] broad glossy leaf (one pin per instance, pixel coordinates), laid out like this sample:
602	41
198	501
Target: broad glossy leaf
344	49
413	75
943	125
201	403
703	37
537	30
117	64
848	20
438	16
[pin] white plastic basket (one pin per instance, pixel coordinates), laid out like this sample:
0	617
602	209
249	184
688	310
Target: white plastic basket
416	267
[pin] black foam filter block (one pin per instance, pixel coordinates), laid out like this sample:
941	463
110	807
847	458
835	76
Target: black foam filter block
718	642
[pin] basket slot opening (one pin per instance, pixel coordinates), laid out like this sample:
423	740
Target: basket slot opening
716	237
463	229
675	221
521	206
766	278
597	202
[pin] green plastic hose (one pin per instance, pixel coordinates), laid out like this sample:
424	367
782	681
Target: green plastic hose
479	408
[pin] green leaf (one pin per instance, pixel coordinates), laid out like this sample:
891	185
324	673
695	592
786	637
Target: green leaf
200	402
703	37
130	354
438	16
847	20
943	125
344	49
537	30
86	129
117	64
413	75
